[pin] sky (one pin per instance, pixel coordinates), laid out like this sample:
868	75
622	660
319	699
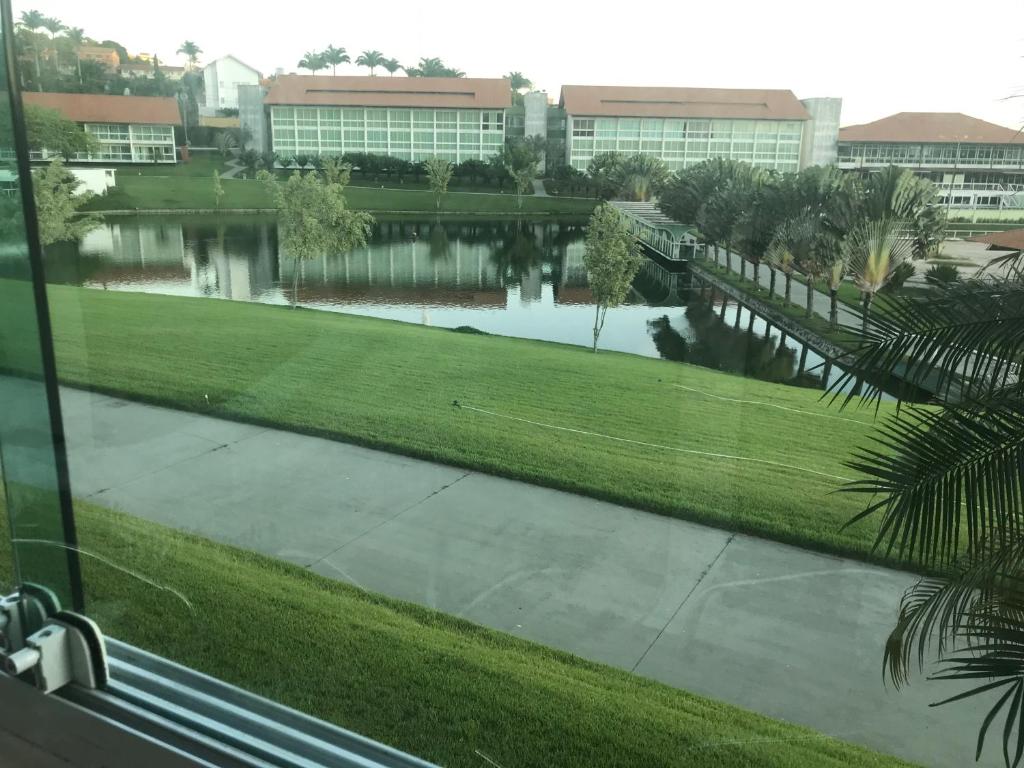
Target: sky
879	57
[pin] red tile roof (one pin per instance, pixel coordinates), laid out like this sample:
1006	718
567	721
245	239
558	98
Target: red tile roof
629	101
1010	240
937	127
100	108
436	92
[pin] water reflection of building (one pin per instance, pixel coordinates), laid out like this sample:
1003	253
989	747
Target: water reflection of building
239	263
417	271
133	251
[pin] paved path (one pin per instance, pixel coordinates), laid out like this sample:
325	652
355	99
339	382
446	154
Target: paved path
820	303
234	166
786	632
538	188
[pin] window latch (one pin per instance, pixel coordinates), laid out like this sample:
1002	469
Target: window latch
67	648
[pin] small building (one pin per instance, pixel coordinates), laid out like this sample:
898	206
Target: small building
685	126
130	129
221	79
1011	240
148	69
407	117
977	164
101	54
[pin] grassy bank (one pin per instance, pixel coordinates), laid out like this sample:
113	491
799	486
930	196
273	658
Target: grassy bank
146	192
422	681
708	446
795	311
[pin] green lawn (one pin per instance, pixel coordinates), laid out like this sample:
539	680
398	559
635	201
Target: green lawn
425	682
189	192
392	386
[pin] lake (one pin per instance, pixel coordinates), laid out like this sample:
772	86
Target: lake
520	278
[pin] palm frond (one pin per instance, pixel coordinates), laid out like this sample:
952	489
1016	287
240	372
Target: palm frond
944	477
962	342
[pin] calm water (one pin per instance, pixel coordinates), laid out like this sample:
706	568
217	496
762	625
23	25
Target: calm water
514	278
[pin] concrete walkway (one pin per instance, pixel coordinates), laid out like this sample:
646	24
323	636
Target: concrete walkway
538	188
779	630
234	166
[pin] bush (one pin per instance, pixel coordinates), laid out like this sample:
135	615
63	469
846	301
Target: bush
942	274
900	275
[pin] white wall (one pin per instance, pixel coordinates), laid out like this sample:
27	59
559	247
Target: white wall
95	180
221	79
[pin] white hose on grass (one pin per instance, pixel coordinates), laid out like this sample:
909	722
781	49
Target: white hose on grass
772	405
691	451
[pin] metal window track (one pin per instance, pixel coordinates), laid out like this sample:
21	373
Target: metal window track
219	724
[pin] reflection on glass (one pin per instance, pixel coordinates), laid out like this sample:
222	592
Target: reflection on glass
37	555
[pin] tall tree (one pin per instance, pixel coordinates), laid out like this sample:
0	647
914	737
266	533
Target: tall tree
335	56
521	158
314	220
57	205
758	220
687	194
640	177
54	26
313	61
191	52
439	173
372	60
612	258
433	67
874	249
76	37
391	65
30	21
603	171
519	82
792	244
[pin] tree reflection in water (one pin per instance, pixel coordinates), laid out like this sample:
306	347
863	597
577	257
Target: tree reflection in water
712	343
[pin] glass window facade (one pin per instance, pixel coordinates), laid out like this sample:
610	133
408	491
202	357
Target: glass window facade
410	134
682	143
124	143
861	154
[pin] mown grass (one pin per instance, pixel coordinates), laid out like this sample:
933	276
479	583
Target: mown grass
145	192
716	443
430	684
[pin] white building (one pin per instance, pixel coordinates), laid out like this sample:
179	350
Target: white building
407	117
130	129
684	126
221	79
976	164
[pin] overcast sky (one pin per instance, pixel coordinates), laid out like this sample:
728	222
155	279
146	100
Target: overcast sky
880	56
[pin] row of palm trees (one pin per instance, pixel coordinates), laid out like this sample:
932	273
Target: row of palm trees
32	22
332	56
821	222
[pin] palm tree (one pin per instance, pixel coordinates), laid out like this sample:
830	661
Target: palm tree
313	61
333	57
946	486
391	65
76	36
53	25
638	177
31	21
518	81
191	51
371	59
686	195
874	249
758	220
433	67
793	244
